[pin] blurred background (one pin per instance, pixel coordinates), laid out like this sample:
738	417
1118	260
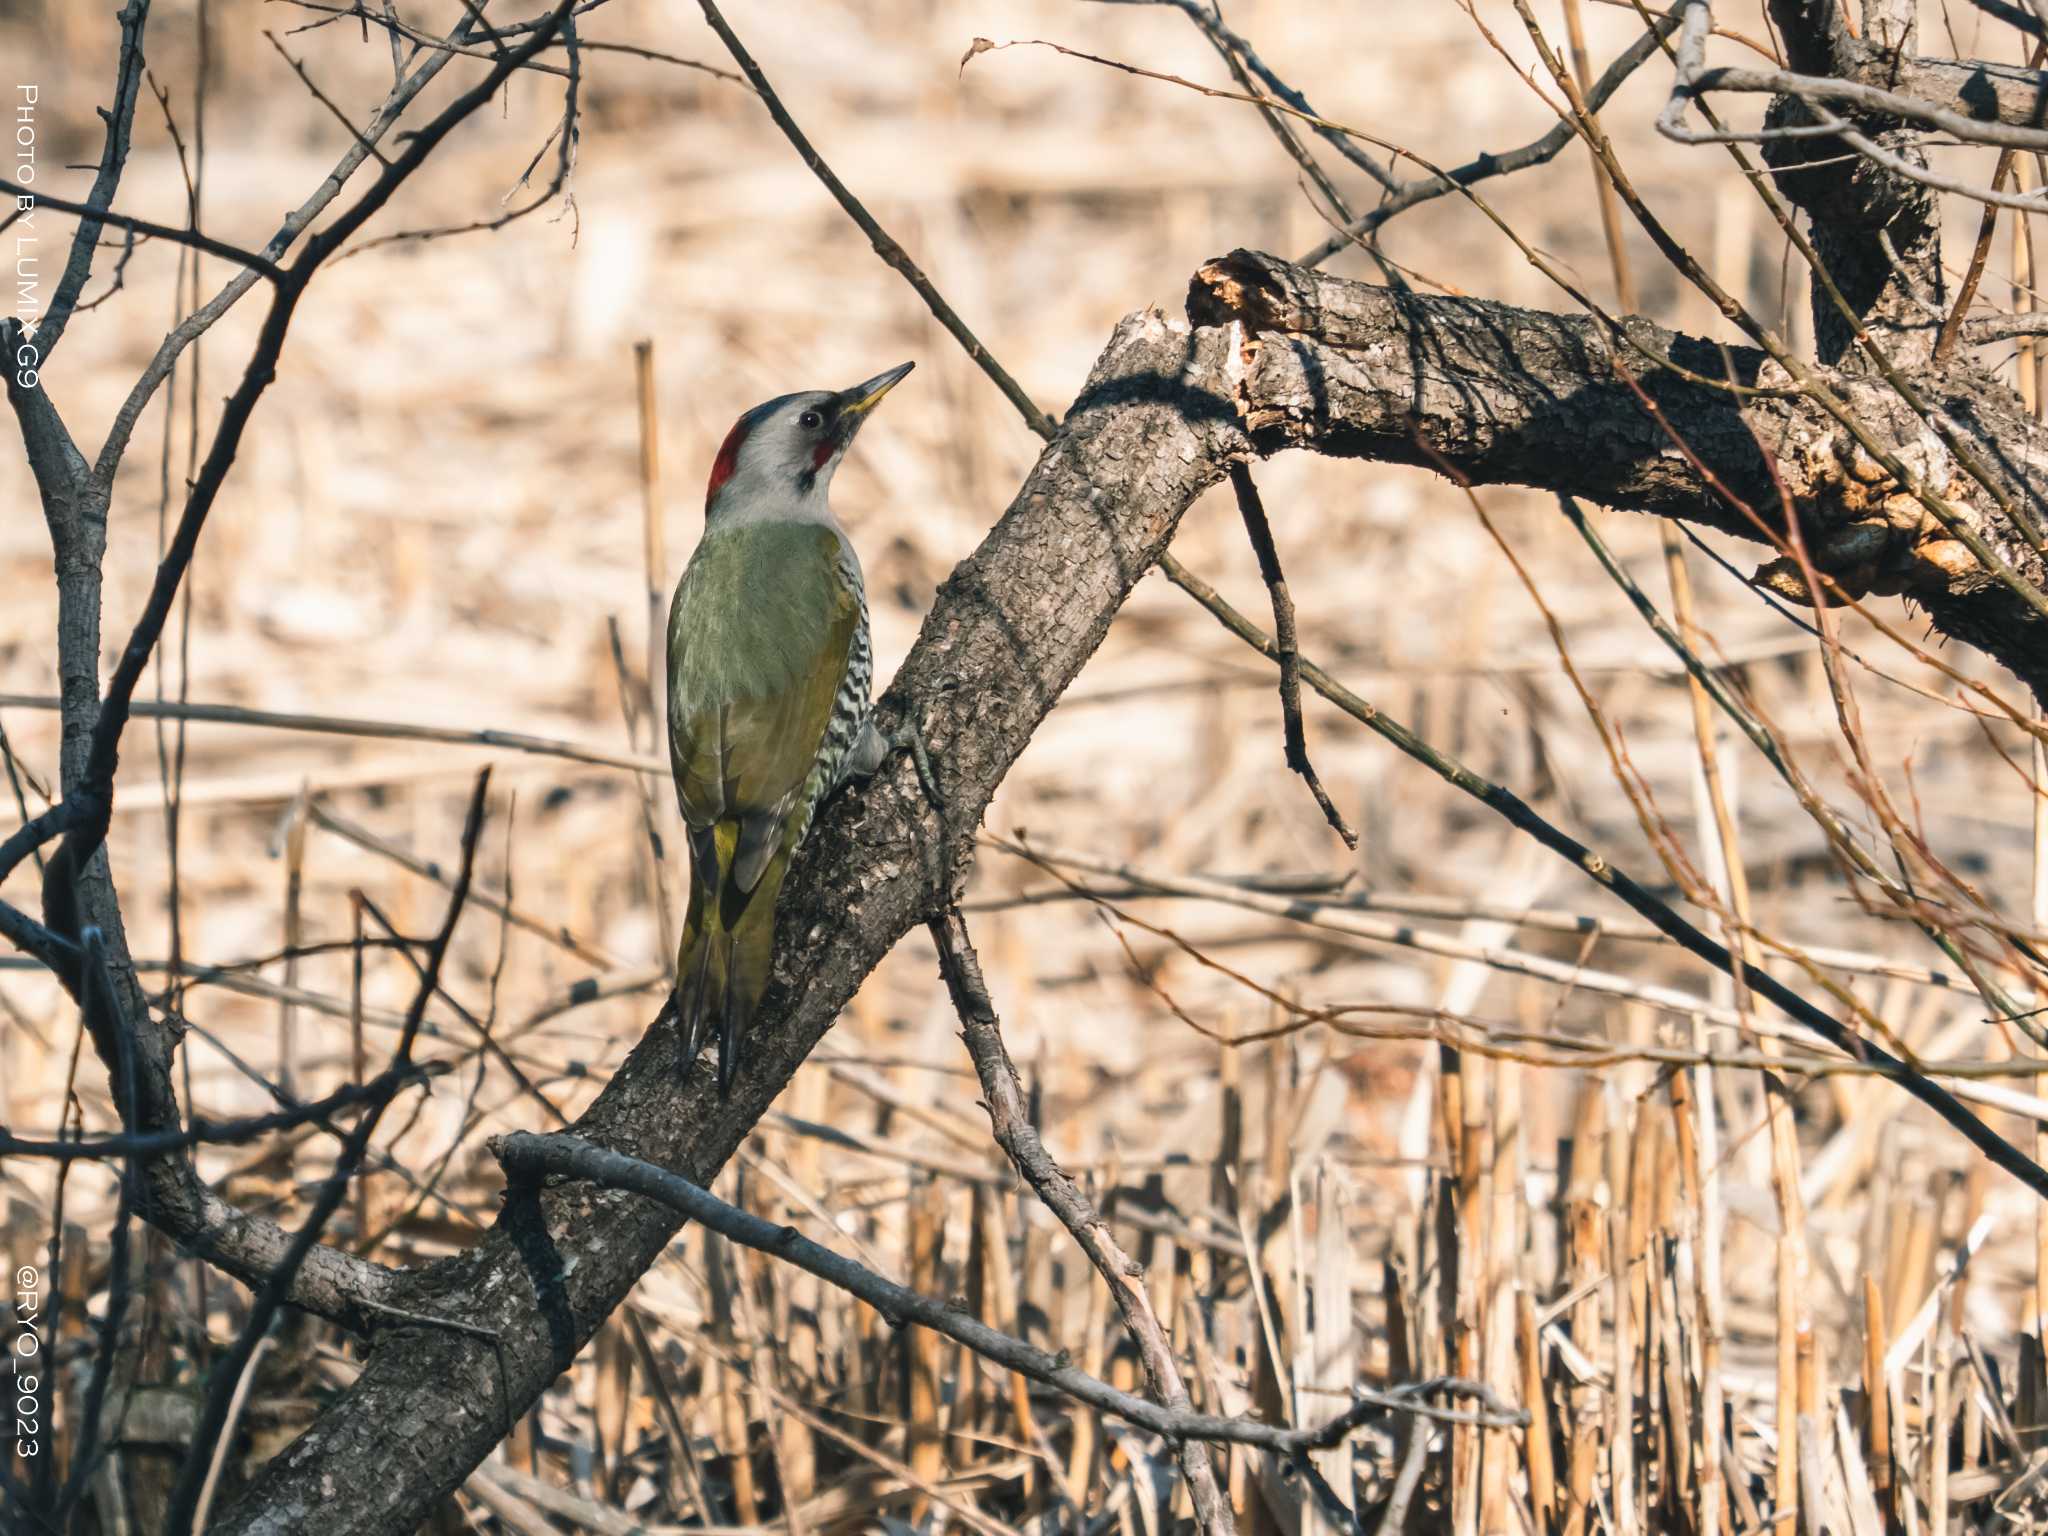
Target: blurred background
439	515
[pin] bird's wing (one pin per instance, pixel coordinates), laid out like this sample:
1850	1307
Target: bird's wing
745	751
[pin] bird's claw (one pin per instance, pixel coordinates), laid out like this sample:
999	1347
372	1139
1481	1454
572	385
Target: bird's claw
906	738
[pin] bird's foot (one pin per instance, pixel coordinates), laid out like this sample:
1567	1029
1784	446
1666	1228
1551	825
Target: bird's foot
873	749
906	738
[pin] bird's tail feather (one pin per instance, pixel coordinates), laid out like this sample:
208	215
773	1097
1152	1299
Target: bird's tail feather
727	949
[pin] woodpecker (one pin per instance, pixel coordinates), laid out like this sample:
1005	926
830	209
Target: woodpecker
768	677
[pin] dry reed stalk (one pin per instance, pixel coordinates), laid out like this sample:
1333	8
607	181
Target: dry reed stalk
751	1280
612	1354
1914	1279
1645	1147
1270	1377
1679	1418
1877	1418
1940	1423
294	935
1698	1245
1975	1185
1333	1359
1499	1459
1543	1489
2039	1321
1474	1276
522	1444
923	1349
971	1409
2023	287
1811	1419
870	1362
1585	1247
797	1448
359	1068
1610	208
1973	1429
800	1301
735	1432
1794	1316
515	1513
1001	1300
1623	1491
1086	1448
685	1478
1785	1487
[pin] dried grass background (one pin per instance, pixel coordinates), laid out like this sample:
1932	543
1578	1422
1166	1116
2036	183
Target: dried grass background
440	509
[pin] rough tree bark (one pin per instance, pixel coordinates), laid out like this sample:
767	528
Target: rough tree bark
1279	356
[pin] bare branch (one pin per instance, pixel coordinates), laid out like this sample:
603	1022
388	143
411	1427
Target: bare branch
261	265
528	1159
1253	510
1539	151
885	245
120	121
1003	1096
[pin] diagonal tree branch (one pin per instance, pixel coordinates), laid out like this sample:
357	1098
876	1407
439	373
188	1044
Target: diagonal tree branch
1013	625
528	1159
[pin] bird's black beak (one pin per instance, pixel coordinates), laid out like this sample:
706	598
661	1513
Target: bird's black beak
855	403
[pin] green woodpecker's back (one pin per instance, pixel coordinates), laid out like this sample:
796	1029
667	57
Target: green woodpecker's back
768	677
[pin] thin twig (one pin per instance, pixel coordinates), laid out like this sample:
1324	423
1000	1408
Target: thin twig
1003	1097
1519	813
262	265
885	245
1253	511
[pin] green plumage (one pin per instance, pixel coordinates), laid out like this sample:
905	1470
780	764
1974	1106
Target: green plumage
763	628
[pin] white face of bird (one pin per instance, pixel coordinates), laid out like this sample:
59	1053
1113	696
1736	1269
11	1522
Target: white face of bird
778	459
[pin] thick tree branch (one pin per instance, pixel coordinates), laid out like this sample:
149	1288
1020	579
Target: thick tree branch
1517	396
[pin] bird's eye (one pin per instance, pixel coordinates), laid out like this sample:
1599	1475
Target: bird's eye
810	421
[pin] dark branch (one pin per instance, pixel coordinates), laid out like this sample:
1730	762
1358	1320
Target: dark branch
95	216
1260	532
528	1159
1003	1095
120	120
